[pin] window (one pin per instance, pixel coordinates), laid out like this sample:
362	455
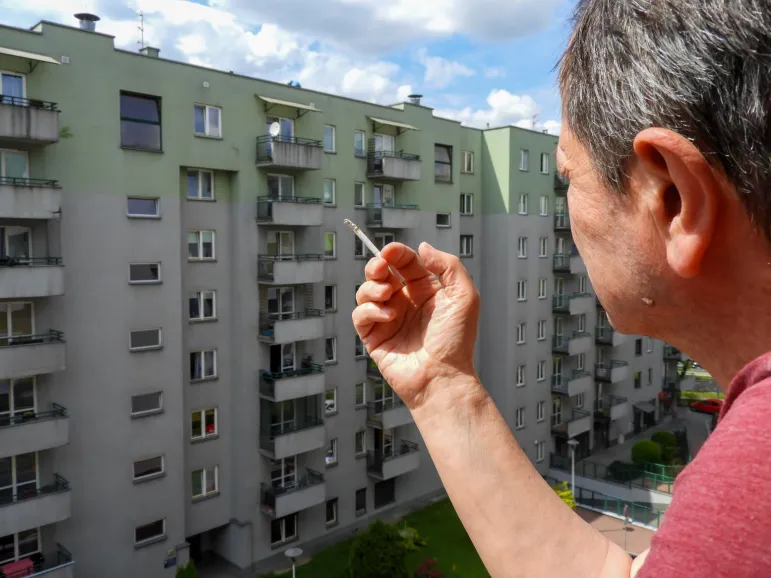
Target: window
582	284
149	468
466	245
13	164
200	246
544	206
358	248
12	86
329	138
150	532
203	306
649	344
582	322
523	204
360	390
443	219
468	162
521	333
521	290
540	411
329	191
524	159
330	401
144	273
542	288
385	493
200	185
330	297
205	482
540	451
359	195
16	546
144	339
522	248
545	163
331	457
638	347
361	501
360	442
650	376
358	346
283	530
466	204
19	477
541	330
581	361
146	403
521	369
443	163
541	371
359	143
207	120
203	365
330	350
331	511
543	247
330	245
520	417
637	380
578	401
143	207
204	424
140	121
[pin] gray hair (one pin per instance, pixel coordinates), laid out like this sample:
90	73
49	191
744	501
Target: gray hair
701	68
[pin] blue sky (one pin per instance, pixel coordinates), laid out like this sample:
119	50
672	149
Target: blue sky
478	61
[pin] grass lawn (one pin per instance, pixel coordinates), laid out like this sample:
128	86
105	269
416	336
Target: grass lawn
438	524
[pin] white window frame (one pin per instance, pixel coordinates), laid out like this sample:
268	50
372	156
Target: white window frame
199	195
521	333
544	206
3	162
540	411
521	372
147	347
208	129
282	522
152	538
363	203
204	435
522	248
582	284
649	345
202	354
543	247
334	245
334	297
334	350
151	282
521	290
580	401
545	163
362	434
540	451
17	487
14	73
18	556
334	193
582	322
358	348
12	411
155	215
443	226
524	159
467	204
334	139
201	296
363	394
153	475
520	418
363	152
335	504
541	330
581	361
542	288
204	478
541	371
359	250
200	242
468	250
331	458
467	162
333	409
523	208
148	411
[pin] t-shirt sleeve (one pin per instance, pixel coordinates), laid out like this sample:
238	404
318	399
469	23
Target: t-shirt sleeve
719	522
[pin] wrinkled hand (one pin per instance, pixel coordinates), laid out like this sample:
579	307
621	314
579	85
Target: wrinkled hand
423	334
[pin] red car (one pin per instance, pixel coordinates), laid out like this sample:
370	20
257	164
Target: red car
707	406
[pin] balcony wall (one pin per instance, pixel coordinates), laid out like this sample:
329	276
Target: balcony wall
45	431
29	199
619	410
299	442
395	168
34	512
293	212
390	417
28	127
580	343
397	465
395	217
295	271
290	328
580	382
32	359
292	385
308	491
581	303
297	154
577	266
28	281
579	426
614	372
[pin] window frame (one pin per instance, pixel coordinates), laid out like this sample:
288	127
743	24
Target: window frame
200	245
332	457
363	153
545	157
544	206
333	410
159	345
17	74
522	248
156	201
521	375
363	204
152	539
543	247
540	451
540	372
542	287
463	205
581	361
449	150
199	179
202	353
17	555
467	160
334	139
205	493
334	245
638	347
363	403
443	226
200	296
363	492
204	435
519	418
206	132
152	476
334	503
524	160
522	291
580	401
541	330
159	409
470	242
361	434
334	298
523	207
334	348
142	282
358	352
540	411
521	333
637	379
159	104
285	538
333	203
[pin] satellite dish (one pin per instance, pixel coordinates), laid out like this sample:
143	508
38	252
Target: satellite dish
275	129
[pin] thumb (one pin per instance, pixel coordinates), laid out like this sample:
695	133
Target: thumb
447	267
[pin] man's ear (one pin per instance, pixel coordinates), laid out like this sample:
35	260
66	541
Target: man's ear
682	193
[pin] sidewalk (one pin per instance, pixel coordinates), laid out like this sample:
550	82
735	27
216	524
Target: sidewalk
637	539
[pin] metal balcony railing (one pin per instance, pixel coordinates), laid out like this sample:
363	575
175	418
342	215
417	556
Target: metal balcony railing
25	417
268	436
29	102
375	158
672	352
375	409
265	142
560	303
58	485
560	344
269	380
561	222
24	182
268	321
602	371
271	492
375	460
559	422
561	183
631	476
375	211
52	336
265	204
30	261
603	335
265	263
562	263
42	563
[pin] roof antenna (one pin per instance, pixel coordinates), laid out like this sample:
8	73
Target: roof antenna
535	118
141	29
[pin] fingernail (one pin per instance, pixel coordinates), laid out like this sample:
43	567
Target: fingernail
388	310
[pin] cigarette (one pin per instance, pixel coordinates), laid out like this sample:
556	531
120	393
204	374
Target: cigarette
371	246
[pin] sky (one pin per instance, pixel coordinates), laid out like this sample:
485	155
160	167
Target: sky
477	61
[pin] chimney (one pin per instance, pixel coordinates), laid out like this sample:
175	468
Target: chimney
415	99
87	21
150	51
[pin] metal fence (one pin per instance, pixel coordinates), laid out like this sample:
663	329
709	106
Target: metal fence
629	477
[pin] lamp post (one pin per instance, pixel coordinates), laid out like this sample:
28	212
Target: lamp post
573	443
293	554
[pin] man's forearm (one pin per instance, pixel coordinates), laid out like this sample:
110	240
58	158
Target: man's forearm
518	524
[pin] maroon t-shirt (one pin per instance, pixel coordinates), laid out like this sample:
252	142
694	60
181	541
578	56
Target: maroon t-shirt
719	522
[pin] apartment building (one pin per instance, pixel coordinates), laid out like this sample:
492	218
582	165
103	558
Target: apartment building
179	371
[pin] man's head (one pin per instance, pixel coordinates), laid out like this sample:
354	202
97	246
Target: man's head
667	143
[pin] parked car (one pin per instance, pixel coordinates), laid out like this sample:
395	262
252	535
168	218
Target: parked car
707	406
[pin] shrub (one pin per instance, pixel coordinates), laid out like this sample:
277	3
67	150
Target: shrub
666	439
428	569
379	552
412	540
623	472
668	453
563	491
646	451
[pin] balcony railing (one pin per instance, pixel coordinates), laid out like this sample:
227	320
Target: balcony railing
561	384
271	493
24	182
672	353
265	204
560	303
58	485
376	408
42	563
268	436
375	460
603	335
26	417
372	370
29	102
562	263
52	336
269	380
561	222
560	344
567	417
613	401
30	261
265	142
561	183
602	371
269	320
375	211
375	159
631	477
265	263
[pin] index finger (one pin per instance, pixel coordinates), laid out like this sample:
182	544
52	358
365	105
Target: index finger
405	260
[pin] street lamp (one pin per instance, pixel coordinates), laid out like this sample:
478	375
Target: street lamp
573	443
293	554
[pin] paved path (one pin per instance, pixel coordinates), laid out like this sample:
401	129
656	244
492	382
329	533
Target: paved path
637	539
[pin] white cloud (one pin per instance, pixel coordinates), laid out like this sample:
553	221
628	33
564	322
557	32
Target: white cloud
493	72
440	72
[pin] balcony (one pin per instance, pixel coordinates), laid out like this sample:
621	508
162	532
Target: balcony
290	269
561	263
672	353
27	123
571	423
610	337
34	508
613	372
307	491
560	304
577	382
304	435
618	408
280	328
31	354
561	184
290	211
296	384
388	413
31	277
392	216
56	564
581	303
577	265
392	165
385	467
33	432
289	152
29	198
561	222
373	371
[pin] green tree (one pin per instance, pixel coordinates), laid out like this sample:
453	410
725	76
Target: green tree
668	443
646	451
566	494
379	552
